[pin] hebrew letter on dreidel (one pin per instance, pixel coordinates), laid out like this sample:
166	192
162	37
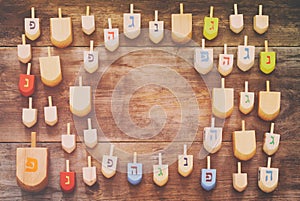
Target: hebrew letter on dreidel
208	177
160	172
271	142
132	24
268	177
109	164
32	26
31	165
203	59
185	163
134	171
156	29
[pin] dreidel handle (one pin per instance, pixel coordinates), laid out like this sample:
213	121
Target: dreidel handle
203	43
67	166
266	46
89	161
260	7
235	9
32	12
246	86
23	39
30	103
68	128
239	167
223	83
156	15
272	128
184	149
245	40
131	8
111	151
181	8
212	123
243	125
49	51
91	46
50	101
134	157
109	23
89	123
87	10
80	81
59	13
159	159
225	48
269	162
268	85
211	12
208	162
33	139
28	68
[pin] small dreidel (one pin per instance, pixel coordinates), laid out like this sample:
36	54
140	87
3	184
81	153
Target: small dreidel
236	21
32	26
268	178
239	179
109	164
61	31
89	173
185	163
212	137
111	37
24	51
271	142
222	101
225	62
211	25
132	24
208	177
29	115
32	167
245	56
50	69
244	143
80	99
88	22
68	141
160	172
90	59
268	103
50	113
67	179
260	21
26	82
90	135
267	60
156	29
203	59
246	100
134	171
182	26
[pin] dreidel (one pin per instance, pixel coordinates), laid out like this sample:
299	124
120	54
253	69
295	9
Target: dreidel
160	172
88	22
156	29
246	100
90	59
109	164
244	143
267	60
32	167
90	135
80	99
32	26
203	59
260	21
225	62
26	82
50	113
236	21
29	115
134	171
67	179
268	103
68	141
50	69
211	25
222	104
24	51
111	37
182	26
61	31
208	177
185	163
245	56
89	173
212	137
271	142
239	179
132	24
268	178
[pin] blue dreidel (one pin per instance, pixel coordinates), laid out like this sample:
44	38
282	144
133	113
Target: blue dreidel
208	177
134	171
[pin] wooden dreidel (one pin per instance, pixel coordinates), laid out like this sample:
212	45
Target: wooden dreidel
225	62
160	172
156	29
134	171
260	21
208	177
89	173
132	24
90	135
268	178
26	82
68	141
182	26
29	115
32	167
236	21
267	60
203	59
246	100
88	22
50	113
67	179
212	137
268	103
222	101
24	51
109	164
245	56
239	179
211	24
185	163
61	31
111	37
90	59
80	99
32	26
271	142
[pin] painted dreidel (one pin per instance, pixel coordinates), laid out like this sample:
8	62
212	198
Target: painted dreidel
50	113
109	164
32	26
90	135
203	59
208	177
260	21
67	179
222	101
134	171
160	172
90	59
236	21
61	31
80	99
267	60
24	51
271	142
32	167
245	56
68	141
211	25
244	143
88	22
268	103
111	37
185	163
26	82
246	100
212	137
268	178
239	179
29	115
156	29
89	173
225	62
132	24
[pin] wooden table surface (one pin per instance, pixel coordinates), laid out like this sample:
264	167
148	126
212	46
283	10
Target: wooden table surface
283	36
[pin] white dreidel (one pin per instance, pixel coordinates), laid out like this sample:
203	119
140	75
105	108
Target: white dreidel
32	26
90	59
239	179
260	21
271	142
246	100
208	177
160	172
68	141
89	173
245	56
268	178
134	171
212	137
236	21
29	115
132	24
185	163
225	62
203	59
109	164
24	51
50	113
88	22
156	29
90	135
111	37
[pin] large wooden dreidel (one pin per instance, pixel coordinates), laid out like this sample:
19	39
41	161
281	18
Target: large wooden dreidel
208	177
32	167
239	179
160	172
267	60
134	171
109	164
90	135
268	178
68	141
67	179
132	24
89	173
236	21
211	25
203	59
32	26
90	59
88	22
29	115
24	51
50	113
260	21
111	37
225	62
245	56
246	100
271	142
212	137
26	82
185	163
156	29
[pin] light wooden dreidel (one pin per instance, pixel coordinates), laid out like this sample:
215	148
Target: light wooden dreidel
239	179
90	59
26	82
225	62
185	163
29	115
24	51
222	101
50	113
211	25
208	177
212	137
61	31
32	26
68	141
268	103
80	99
134	171
111	37
245	56
267	60
109	164
67	179
32	167
160	172
132	24
89	173
203	59
260	21
156	29
88	22
268	178
236	21
246	100
90	135
271	142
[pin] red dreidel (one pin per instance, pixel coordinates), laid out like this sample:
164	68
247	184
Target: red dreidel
67	179
26	82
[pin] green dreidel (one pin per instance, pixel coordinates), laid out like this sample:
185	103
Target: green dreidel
211	24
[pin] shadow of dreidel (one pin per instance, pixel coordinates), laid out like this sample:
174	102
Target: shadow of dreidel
203	59
89	173
109	164
156	29
67	179
208	177
132	24
225	62
267	60
27	82
185	163
29	115
111	37
134	171
32	26
245	56
246	100
260	21
90	135
88	22
236	21
24	51
268	178
212	137
160	172
239	179
271	142
50	113
211	25
90	59
68	141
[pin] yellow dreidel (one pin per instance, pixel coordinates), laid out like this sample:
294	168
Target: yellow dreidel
89	173
182	26
271	142
109	164
50	113
156	29
61	30
132	24
24	51
212	137
90	59
267	60
245	56
160	172
268	178
225	62
68	141
222	103
203	59
29	115
185	163
260	21
32	26
211	24
246	100
32	167
239	179
88	22
236	21
90	135
268	104
111	37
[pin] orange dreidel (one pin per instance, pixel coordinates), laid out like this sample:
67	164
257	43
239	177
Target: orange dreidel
212	137
90	135
32	167
24	51
225	62
29	115
156	29
260	21
271	142
90	59
160	172
132	24
88	22
68	141
239	179
211	24
61	31
236	21
268	178
185	163
245	56
109	164
203	59
89	173
26	82
267	60
208	177
111	37
50	113
32	26
67	179
268	103
246	100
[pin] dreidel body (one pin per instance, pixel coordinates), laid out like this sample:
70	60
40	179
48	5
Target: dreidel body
245	56
132	24
29	115
267	60
211	26
134	171
212	137
203	59
268	178
160	173
90	59
32	26
68	141
225	62
90	135
109	164
236	21
111	37
185	163
156	29
271	142
50	113
260	22
246	100
89	173
24	51
88	22
27	83
239	179
208	177
67	180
